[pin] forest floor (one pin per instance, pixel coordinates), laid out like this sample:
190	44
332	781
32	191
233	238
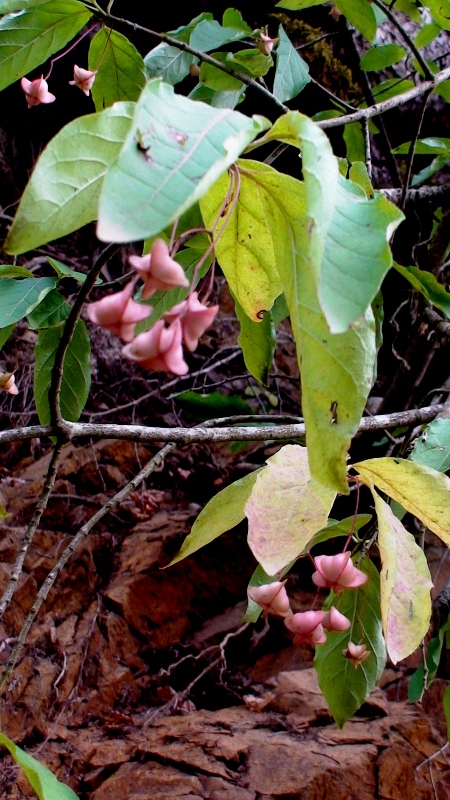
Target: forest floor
138	682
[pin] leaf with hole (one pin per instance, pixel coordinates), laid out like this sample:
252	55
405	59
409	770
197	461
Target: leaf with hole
62	194
176	149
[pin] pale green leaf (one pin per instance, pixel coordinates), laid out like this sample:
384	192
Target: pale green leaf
257	341
183	32
410	8
432	448
427	34
425	174
431	146
176	149
246	250
29	38
19	297
443	90
5	333
210	34
354	142
382	56
63	271
121	69
440	12
8	6
223	512
292	72
360	14
232	18
357	254
51	311
426	283
405	584
359	175
226	99
421	490
63	192
346	688
252	61
391	88
11	271
42	781
169	63
217	79
76	374
285	509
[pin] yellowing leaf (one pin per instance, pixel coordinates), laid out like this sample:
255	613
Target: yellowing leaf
405	585
286	508
421	490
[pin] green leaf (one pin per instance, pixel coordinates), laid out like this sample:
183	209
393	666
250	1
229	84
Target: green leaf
416	686
431	146
31	37
257	341
232	18
411	10
213	404
176	149
360	14
63	192
121	69
357	254
251	61
42	781
63	271
169	63
382	56
446	706
223	512
354	142
391	88
432	448
292	73
5	333
183	33
426	283
338	528
246	250
19	297
346	688
226	99
443	90
440	12
11	271
359	175
297	5
260	578
405	583
216	79
51	311
422	491
7	6
76	374
285	509
427	34
424	175
210	34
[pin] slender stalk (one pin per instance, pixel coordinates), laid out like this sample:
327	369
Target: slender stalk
412	150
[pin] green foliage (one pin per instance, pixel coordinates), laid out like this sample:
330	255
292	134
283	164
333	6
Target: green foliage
19	297
223	512
41	780
64	189
417	685
30	38
382	56
426	283
257	341
5	333
121	70
175	150
446	706
168	63
51	311
76	373
212	404
432	448
346	688
292	73
63	271
360	14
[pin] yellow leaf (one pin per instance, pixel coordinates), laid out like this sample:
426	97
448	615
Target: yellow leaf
421	490
285	509
405	584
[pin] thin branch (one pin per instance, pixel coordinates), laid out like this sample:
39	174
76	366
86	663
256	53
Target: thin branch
69	328
412	150
436	321
437	194
31	529
141	433
332	96
42	594
241	76
367	148
406	38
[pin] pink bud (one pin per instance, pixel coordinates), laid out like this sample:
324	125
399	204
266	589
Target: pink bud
335	621
356	654
83	78
159	349
158	270
272	597
8	383
307	626
36	91
266	44
118	313
195	319
337	572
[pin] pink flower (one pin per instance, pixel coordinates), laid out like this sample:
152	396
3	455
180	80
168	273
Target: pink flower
83	78
159	348
335	621
337	572
118	313
36	91
272	598
8	383
158	270
266	44
195	319
307	626
356	654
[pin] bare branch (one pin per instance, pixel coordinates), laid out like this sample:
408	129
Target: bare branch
435	194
